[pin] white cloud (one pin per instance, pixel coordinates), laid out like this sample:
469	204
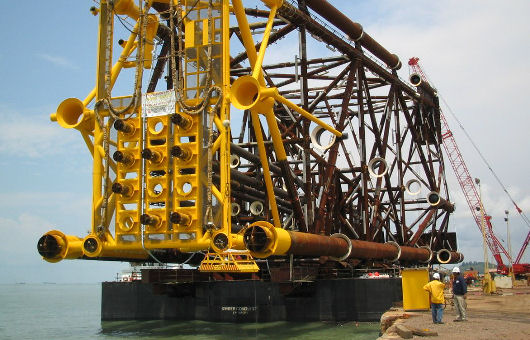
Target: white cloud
58	61
59	201
25	136
21	234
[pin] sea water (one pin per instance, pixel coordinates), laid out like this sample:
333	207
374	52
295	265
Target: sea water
73	311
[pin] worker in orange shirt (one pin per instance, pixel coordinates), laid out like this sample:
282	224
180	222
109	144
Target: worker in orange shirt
436	294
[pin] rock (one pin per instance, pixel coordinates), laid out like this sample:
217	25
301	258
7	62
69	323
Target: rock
404	332
387	319
389	337
421	332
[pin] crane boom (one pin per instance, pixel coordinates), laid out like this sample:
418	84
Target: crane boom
523	248
470	191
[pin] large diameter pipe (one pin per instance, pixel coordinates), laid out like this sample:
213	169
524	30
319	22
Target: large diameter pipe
416	80
236	149
445	256
252	157
55	246
389	251
236	186
354	31
250	181
436	201
317	245
374	250
262	239
422	254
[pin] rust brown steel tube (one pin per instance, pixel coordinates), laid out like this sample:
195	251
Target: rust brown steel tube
316	245
436	201
263	240
445	256
422	228
373	250
415	80
354	31
296	16
415	254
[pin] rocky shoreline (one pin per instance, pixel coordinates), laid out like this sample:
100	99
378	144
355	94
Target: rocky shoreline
505	315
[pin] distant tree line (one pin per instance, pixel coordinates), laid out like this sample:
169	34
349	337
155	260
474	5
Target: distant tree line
476	266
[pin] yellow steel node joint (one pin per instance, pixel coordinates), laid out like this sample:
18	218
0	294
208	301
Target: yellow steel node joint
55	246
278	239
72	114
246	93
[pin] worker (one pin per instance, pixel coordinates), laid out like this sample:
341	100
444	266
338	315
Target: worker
436	294
459	295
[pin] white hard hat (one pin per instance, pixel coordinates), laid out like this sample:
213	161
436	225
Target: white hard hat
436	276
456	270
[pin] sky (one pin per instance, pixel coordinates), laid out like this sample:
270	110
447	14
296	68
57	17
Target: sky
474	52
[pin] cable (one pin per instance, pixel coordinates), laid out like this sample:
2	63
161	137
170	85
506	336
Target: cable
525	218
124	23
519	210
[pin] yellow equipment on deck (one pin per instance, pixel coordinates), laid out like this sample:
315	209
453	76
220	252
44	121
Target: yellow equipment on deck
234	262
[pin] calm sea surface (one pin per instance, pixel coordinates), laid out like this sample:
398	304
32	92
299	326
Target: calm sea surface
60	311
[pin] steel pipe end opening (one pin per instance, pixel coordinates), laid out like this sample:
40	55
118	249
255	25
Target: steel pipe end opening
259	240
413	187
377	167
72	114
92	246
245	92
55	246
316	137
50	247
234	161
433	198
262	239
415	79
256	208
235	209
443	256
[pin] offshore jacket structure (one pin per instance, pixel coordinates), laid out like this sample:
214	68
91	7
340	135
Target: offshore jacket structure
168	182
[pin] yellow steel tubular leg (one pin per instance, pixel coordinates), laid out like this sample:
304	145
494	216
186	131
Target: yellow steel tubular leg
225	116
265	164
246	36
264	43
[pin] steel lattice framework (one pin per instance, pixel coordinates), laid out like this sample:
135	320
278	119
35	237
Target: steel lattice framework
313	154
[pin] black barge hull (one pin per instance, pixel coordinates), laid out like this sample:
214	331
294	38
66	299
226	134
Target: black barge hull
352	299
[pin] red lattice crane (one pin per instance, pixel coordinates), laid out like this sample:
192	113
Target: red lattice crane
470	192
